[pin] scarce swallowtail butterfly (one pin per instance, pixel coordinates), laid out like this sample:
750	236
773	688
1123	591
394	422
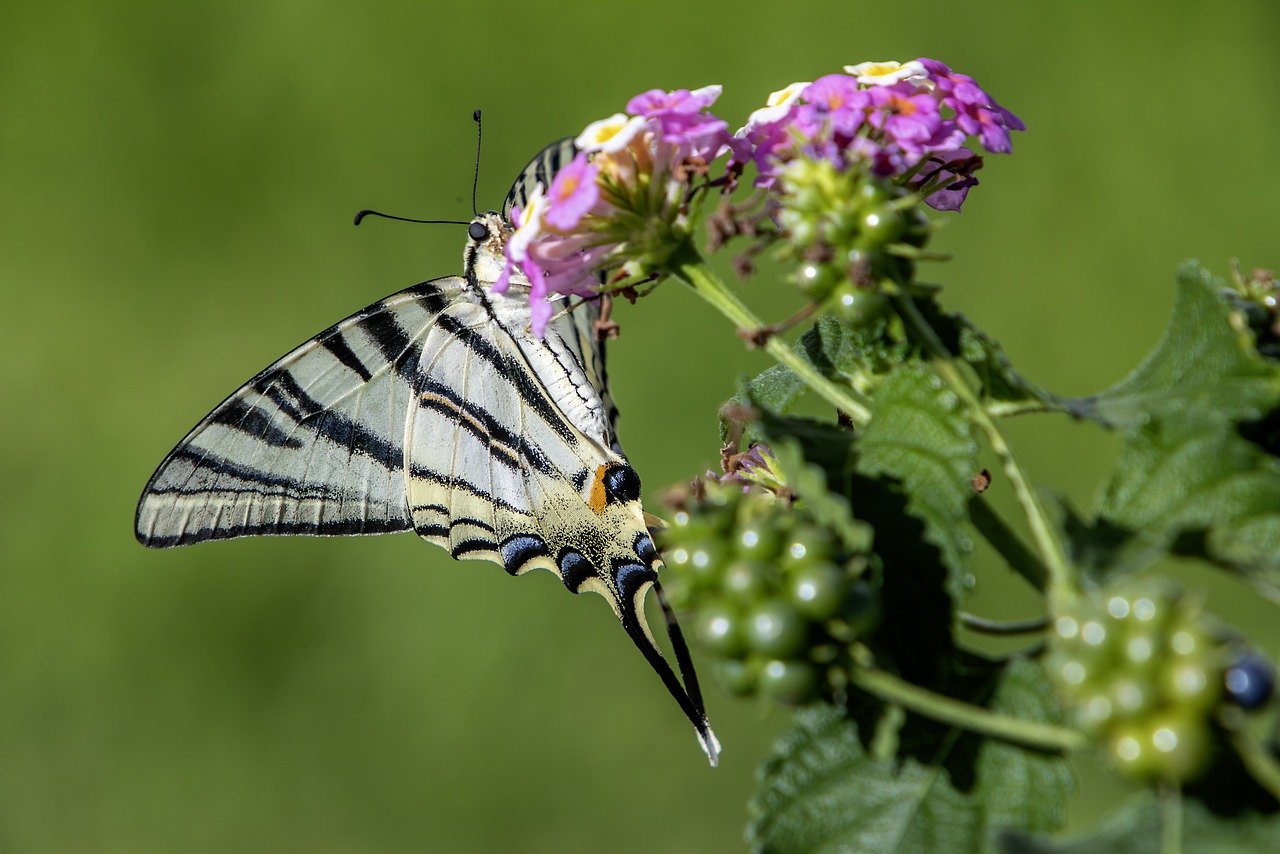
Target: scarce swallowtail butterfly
436	410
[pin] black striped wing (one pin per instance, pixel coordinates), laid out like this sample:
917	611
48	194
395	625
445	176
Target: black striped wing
312	445
540	170
508	435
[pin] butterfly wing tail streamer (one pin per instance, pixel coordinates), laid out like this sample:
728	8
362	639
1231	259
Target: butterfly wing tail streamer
686	694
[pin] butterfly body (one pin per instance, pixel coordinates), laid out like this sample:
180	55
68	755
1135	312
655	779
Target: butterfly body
435	410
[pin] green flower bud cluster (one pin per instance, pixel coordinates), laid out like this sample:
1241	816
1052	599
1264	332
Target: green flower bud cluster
1141	669
847	231
774	599
1255	300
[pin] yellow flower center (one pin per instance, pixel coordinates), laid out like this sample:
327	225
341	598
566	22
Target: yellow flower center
568	186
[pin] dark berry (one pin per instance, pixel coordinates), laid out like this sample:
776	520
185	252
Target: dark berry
1250	681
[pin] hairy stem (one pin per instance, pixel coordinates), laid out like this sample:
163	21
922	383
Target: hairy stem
893	689
1061	582
692	268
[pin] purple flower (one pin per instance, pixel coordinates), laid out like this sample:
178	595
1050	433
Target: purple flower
572	194
953	184
621	203
887	117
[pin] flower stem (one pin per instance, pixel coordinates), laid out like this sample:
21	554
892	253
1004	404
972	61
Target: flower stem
1259	760
1170	820
893	689
1061	583
1010	546
693	270
974	623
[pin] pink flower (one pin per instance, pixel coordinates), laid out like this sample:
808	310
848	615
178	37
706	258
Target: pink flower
889	117
573	193
621	203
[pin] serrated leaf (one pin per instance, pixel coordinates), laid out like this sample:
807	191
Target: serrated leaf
1202	363
835	350
1020	787
919	437
997	379
1100	548
1137	828
1194	474
821	792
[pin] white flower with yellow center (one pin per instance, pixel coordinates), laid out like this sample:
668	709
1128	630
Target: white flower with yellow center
885	73
785	96
610	135
531	225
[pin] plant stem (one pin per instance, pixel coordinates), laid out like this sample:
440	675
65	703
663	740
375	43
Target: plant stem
1061	583
974	623
693	269
893	689
1170	820
1258	759
1008	544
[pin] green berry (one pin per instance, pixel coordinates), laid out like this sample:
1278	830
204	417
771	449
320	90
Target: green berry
789	681
1131	697
776	629
738	677
758	540
747	581
1133	753
873	194
1181	743
718	628
859	306
818	590
807	545
1191	686
705	560
881	226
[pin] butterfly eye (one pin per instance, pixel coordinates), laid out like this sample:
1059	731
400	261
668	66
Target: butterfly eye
622	483
478	231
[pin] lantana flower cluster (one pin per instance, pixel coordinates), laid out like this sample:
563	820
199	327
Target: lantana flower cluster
903	120
825	152
622	201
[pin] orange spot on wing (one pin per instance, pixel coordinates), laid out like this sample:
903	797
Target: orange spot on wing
596	500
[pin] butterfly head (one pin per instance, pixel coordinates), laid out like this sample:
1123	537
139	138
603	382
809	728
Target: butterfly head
485	255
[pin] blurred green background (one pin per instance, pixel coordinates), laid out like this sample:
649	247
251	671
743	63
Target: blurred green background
178	182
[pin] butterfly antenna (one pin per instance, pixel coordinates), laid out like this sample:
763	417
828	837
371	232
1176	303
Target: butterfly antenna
475	181
364	213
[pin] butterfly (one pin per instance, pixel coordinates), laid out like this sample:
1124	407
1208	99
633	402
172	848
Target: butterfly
436	410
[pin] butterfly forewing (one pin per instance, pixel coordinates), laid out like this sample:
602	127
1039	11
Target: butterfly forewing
312	445
538	171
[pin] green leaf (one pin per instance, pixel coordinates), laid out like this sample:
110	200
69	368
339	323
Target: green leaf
835	350
1137	828
821	792
1202	363
919	437
997	379
810	485
1194	478
1023	788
